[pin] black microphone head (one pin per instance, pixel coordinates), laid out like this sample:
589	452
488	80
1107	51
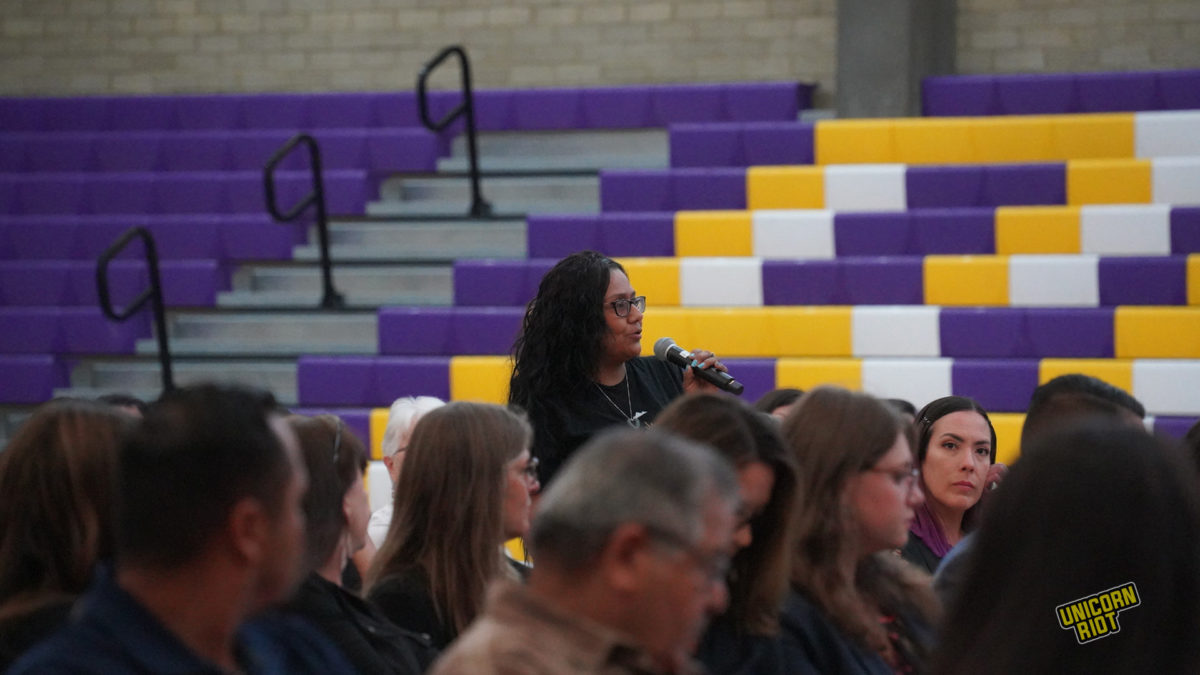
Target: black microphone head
662	346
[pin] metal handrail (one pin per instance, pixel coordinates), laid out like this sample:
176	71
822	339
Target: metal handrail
330	298
480	207
153	294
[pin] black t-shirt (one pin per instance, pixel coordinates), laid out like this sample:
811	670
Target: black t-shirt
562	424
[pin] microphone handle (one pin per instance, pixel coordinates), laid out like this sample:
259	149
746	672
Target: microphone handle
720	378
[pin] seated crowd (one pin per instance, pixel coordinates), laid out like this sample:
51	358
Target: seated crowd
826	531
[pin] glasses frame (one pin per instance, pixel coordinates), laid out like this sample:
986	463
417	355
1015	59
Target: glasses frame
627	303
909	479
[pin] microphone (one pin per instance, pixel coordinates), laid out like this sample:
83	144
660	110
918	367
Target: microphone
666	350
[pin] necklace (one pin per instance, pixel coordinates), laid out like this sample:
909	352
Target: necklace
630	419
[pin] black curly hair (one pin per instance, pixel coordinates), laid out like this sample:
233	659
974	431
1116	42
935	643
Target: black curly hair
563	330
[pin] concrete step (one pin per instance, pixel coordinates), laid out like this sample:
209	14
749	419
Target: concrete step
509	195
563	150
447	240
142	377
279	334
361	285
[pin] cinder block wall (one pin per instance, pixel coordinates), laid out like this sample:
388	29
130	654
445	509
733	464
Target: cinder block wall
55	47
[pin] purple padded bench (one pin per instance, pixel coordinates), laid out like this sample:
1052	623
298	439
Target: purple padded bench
1056	93
1013	332
1154	280
30	378
986	185
1173	427
672	189
1185	229
498	283
370	380
649	234
998	384
844	281
741	144
192	283
69	330
440	331
959	231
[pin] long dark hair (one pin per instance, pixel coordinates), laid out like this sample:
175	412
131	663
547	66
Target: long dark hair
760	572
923	423
335	458
563	330
1087	509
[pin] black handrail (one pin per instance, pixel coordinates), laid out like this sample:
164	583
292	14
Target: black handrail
153	294
330	298
480	207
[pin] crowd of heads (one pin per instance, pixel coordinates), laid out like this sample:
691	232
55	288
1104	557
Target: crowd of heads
806	494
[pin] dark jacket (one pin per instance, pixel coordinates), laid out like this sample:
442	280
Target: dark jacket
724	650
811	643
407	601
369	641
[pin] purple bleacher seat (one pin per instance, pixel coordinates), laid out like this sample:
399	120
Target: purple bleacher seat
257	237
757	375
717	188
1113	92
1173	427
40	330
865	234
132	151
344	110
273	111
398	149
1007	332
1000	385
436	331
614	234
687	103
142	113
617	108
397	109
84	330
1157	280
779	143
1185	229
357	420
944	186
498	283
761	101
672	189
895	280
958	231
46	194
21	114
211	111
73	282
120	192
84	113
1036	94
1024	184
635	190
36	283
60	152
699	145
204	151
192	192
494	110
369	380
30	378
1180	89
177	237
802	282
12	152
959	95
251	149
535	109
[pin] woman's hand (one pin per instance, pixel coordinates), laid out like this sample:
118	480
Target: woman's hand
702	359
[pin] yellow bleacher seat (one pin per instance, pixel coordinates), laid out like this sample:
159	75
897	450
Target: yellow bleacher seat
1157	333
1193	279
809	373
785	187
1108	181
655	278
713	233
1017	138
480	378
1008	435
933	140
808	331
966	280
1106	136
378	424
1037	229
1118	373
864	141
708	328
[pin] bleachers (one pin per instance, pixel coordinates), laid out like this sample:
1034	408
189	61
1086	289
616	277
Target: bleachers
979	254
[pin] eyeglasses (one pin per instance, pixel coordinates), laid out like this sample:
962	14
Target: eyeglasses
337	441
621	306
903	478
715	566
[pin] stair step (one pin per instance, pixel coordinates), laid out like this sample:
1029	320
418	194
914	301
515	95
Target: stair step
361	285
269	334
111	376
419	241
508	194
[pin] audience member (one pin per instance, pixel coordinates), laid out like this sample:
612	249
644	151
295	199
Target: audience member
778	402
127	402
857	607
956	448
577	364
632	543
335	512
209	532
465	489
1087	511
743	639
56	493
907	410
402	418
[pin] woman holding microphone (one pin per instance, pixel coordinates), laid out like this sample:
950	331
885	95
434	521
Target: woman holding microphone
577	364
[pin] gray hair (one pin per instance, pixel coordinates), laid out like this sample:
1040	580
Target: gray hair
653	478
402	418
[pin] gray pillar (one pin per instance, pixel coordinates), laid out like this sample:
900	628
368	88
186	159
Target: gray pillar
885	48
